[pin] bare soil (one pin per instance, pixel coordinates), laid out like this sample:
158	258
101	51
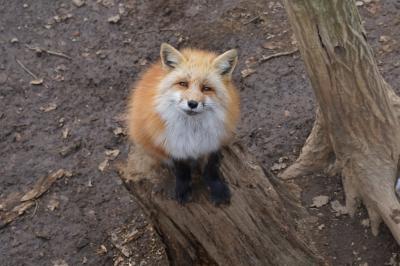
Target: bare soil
74	221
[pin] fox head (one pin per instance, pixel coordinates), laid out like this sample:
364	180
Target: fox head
196	82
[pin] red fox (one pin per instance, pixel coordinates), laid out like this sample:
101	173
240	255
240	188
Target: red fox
185	108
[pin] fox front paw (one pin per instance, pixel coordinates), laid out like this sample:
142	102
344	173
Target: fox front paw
220	193
183	193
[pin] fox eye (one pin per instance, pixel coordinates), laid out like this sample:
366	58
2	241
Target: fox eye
183	84
206	88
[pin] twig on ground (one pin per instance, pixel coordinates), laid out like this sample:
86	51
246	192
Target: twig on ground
26	69
58	54
36	207
40	50
30	198
36	80
251	20
266	58
43	184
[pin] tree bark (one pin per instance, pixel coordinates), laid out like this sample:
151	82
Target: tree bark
356	129
257	228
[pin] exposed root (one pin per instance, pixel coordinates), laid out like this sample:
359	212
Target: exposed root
269	57
350	191
41	50
361	113
370	180
315	156
365	180
374	219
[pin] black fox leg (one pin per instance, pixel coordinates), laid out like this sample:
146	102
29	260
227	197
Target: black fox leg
218	189
183	187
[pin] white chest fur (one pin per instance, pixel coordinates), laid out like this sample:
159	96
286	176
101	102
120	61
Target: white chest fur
188	136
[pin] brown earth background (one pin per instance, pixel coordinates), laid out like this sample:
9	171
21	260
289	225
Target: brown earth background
72	118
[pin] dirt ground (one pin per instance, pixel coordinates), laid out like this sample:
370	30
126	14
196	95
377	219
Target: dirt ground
75	116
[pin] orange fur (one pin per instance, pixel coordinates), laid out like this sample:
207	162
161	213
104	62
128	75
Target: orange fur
145	124
233	112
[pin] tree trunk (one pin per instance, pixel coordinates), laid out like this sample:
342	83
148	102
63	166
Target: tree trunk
357	123
257	228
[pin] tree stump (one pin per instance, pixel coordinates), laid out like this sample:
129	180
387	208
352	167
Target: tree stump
257	228
356	132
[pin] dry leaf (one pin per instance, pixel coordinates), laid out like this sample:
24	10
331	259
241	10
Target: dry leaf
112	154
21	208
15	213
121	238
37	82
50	107
17	137
143	62
118	261
393	260
102	250
121	9
63	17
294	40
10	201
90	183
282	159
103	165
271	45
119	131
78	3
319	201
53	204
251	61
384	38
365	222
338	208
287	113
374	7
107	3
59	77
65	133
247	72
71	148
278	166
67	173
387	48
42	185
114	19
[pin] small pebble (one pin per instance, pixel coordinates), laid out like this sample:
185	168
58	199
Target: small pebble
78	3
114	19
359	3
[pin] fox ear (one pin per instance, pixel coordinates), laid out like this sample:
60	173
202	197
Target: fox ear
226	62
170	57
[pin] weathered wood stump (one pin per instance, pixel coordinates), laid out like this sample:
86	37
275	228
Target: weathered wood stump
257	228
356	132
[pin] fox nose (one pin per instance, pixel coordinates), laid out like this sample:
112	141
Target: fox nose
192	104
